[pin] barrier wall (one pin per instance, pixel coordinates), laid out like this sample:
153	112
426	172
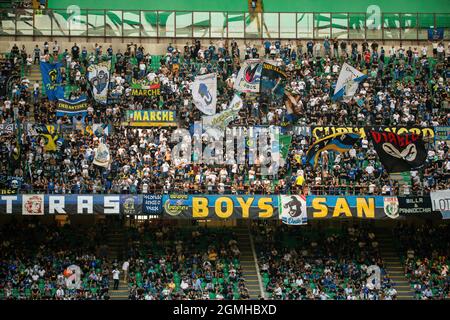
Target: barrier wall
291	209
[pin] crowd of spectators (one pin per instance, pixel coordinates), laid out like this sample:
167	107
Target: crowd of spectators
425	252
321	264
162	262
35	257
174	263
406	86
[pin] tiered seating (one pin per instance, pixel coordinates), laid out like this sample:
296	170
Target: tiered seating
201	258
311	264
34	257
424	252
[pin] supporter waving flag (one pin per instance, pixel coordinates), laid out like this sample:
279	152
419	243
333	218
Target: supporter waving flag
399	153
340	142
348	82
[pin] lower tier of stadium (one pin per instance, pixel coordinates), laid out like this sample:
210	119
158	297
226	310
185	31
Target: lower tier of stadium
100	258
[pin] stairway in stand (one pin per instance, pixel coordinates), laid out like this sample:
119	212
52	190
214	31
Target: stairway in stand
121	293
394	267
116	244
247	260
116	240
35	75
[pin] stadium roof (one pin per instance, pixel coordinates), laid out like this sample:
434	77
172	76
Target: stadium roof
419	6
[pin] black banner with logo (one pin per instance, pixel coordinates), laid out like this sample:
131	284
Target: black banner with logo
398	153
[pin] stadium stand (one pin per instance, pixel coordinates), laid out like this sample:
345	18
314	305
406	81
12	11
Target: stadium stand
96	203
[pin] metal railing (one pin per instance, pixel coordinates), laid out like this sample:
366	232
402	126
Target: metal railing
72	22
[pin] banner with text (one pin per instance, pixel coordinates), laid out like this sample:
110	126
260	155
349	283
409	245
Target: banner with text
339	207
150	118
152	204
152	89
417	207
442	133
293	210
72	108
220	206
440	201
40	204
319	132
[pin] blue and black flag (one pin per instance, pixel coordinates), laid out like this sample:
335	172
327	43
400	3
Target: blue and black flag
339	142
51	77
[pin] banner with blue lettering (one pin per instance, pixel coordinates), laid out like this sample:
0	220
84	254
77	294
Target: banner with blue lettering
51	77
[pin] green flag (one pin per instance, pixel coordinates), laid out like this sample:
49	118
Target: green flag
285	143
401	177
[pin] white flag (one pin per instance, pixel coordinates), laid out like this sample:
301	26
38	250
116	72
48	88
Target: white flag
98	76
293	210
215	125
348	81
102	155
204	93
249	76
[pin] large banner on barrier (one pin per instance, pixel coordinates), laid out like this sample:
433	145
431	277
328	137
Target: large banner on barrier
293	210
221	206
7	128
43	204
417	207
442	133
152	204
440	201
364	207
290	209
